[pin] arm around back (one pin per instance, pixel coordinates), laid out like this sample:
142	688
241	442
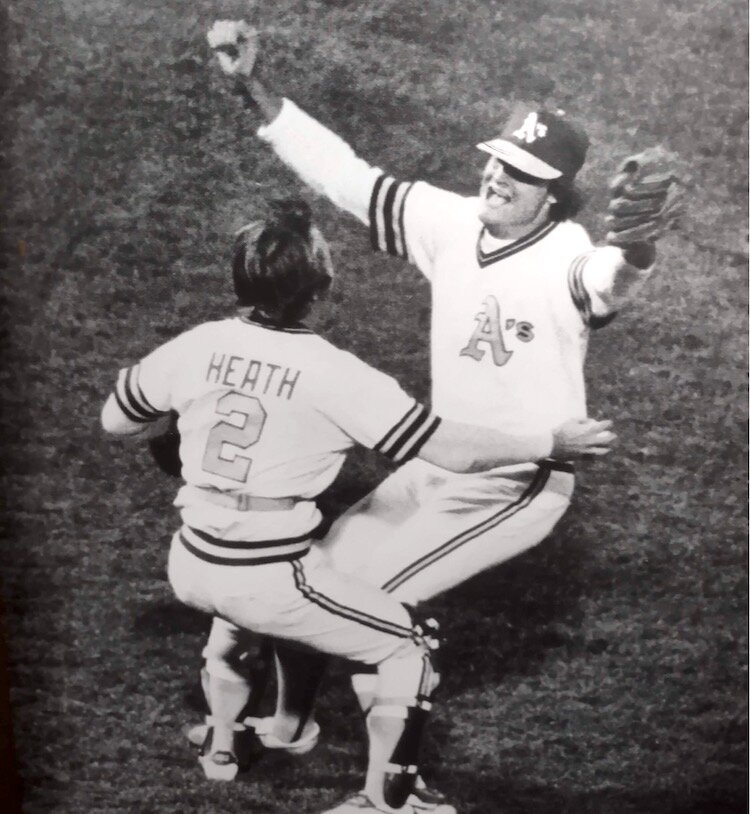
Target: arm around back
467	448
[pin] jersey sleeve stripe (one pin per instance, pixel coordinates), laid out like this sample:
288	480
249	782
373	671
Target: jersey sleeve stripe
397	444
130	388
581	297
131	401
141	394
406	438
373	214
387	216
399	452
390	233
412	450
399	206
578	292
126	410
383	445
125	400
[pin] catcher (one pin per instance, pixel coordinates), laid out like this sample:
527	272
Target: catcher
517	287
267	411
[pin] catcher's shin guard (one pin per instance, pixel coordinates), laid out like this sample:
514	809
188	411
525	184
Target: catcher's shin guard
401	772
402	768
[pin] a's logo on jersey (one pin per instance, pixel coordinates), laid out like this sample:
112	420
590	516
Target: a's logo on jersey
489	331
531	129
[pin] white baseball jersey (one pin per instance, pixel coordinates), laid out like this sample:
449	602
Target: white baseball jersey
266	417
510	323
506	330
510	320
270	413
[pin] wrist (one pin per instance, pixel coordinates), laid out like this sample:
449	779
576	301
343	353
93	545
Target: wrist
269	102
242	89
546	445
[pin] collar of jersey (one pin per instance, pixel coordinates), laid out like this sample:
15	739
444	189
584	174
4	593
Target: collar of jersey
486	258
260	320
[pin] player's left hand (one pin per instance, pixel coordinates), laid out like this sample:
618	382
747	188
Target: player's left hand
235	43
580	437
646	198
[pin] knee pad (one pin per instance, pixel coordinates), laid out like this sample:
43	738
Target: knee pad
426	629
405	677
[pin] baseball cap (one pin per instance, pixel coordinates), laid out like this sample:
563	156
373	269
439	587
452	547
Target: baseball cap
541	143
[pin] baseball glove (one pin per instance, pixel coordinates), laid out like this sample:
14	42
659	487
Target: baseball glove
645	199
236	45
165	449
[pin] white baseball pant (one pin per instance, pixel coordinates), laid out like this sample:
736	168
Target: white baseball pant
424	530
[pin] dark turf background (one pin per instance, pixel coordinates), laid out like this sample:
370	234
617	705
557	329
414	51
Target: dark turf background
602	673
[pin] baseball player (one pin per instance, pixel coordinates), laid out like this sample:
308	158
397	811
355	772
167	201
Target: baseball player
267	410
517	286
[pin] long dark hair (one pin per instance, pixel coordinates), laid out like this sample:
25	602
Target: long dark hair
281	265
569	199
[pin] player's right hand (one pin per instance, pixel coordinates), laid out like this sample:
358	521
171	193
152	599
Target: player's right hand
580	437
235	43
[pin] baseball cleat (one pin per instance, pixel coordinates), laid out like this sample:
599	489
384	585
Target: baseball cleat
223	763
263	729
219	766
263	726
361	804
424	798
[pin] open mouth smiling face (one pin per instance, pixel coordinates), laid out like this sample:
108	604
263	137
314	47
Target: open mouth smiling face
510	197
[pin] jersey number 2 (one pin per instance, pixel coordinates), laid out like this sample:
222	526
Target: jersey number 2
249	415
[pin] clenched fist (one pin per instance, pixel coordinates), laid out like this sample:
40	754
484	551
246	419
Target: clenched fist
236	45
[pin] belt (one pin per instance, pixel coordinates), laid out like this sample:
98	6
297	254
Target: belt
242	502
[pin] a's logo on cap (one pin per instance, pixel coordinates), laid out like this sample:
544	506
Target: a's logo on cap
531	129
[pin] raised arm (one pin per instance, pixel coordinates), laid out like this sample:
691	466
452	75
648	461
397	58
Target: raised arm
645	202
317	155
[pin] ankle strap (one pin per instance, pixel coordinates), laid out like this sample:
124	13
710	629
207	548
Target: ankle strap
237	726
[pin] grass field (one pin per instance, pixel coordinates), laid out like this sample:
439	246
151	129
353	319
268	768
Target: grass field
604	672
